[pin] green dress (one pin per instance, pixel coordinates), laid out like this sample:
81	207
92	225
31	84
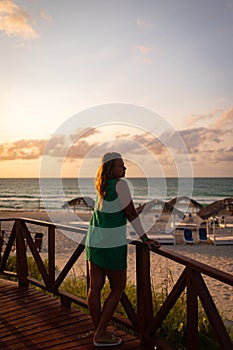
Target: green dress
106	244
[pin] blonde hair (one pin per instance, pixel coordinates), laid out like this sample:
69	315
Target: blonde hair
104	173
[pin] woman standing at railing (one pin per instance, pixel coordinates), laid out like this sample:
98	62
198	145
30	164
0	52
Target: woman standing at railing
106	245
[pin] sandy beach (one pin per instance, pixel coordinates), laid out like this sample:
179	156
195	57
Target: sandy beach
219	257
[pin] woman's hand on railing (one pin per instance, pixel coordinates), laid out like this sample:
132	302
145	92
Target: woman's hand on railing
151	243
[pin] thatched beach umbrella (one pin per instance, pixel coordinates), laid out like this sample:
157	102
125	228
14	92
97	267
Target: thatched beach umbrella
218	208
191	202
86	202
165	208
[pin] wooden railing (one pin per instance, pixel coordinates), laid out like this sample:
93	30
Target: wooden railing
141	320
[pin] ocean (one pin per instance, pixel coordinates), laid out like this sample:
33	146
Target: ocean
34	195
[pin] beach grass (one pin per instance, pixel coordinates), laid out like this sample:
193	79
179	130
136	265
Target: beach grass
33	270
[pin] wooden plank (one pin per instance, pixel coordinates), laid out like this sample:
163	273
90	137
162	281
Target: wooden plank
38	307
37	321
144	294
53	335
53	327
192	311
24	301
8	248
24	320
30	321
168	304
21	257
195	265
36	255
15	307
128	307
74	257
213	315
42	334
51	252
17	293
49	224
56	321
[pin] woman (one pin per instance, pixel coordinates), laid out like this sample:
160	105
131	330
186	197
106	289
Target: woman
106	245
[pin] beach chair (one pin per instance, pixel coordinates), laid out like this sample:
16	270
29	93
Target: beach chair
222	236
188	237
203	234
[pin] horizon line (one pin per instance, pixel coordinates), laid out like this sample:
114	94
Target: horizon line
128	177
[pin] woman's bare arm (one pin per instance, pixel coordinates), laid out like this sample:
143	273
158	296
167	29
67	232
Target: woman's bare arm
125	198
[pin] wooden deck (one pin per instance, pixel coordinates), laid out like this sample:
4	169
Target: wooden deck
30	319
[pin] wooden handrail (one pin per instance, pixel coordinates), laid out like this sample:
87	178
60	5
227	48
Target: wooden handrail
142	319
196	265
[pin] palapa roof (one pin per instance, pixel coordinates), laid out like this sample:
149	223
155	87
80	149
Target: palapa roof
87	202
166	207
215	208
192	202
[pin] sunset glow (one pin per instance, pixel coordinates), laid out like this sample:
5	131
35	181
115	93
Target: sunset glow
61	58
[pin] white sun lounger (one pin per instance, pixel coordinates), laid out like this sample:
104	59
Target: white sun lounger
222	236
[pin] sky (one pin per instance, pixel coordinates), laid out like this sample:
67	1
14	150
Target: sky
60	58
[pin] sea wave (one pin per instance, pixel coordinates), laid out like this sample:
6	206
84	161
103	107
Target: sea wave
24	194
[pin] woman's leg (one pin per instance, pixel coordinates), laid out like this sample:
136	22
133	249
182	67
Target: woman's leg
97	280
117	281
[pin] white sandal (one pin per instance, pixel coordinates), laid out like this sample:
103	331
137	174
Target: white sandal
114	342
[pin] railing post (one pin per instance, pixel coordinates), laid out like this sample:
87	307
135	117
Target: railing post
65	301
21	256
1	242
192	312
144	294
51	253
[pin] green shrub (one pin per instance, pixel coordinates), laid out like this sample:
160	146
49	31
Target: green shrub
32	267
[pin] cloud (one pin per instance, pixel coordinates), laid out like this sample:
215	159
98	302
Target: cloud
123	136
84	133
220	126
70	146
153	144
145	50
216	119
80	149
22	149
209	143
141	23
55	146
148	60
225	121
222	155
45	15
205	144
196	138
144	53
198	118
14	20
34	149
